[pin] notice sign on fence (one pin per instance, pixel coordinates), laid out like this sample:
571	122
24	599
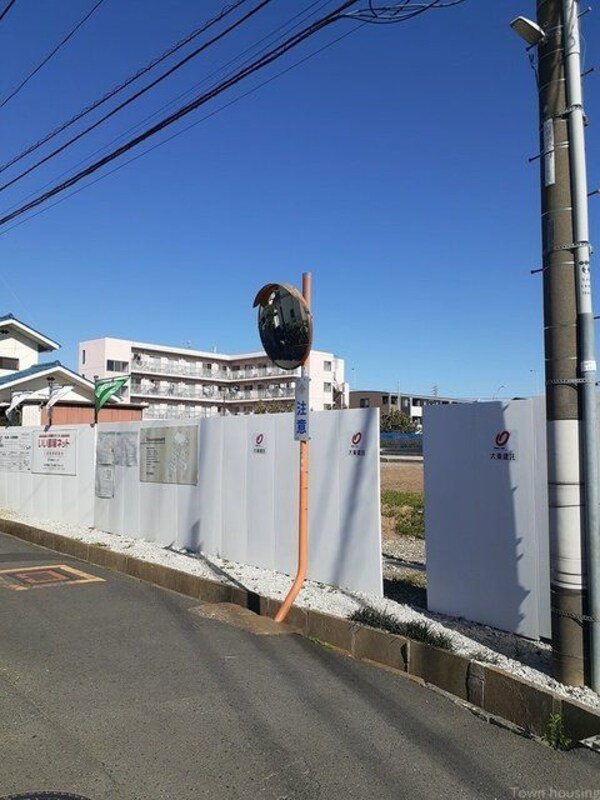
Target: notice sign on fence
54	452
15	451
169	454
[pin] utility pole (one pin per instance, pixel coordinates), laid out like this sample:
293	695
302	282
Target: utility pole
586	332
570	366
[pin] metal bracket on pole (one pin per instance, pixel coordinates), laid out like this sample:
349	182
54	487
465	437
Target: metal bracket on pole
569	381
563	146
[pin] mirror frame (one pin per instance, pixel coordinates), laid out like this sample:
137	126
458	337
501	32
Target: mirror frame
262	300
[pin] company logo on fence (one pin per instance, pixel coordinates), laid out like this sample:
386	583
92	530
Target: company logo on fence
260	446
502	438
355	441
501	451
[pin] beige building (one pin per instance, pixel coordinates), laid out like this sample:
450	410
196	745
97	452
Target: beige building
178	382
409	404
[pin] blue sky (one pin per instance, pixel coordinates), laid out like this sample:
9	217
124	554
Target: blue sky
393	165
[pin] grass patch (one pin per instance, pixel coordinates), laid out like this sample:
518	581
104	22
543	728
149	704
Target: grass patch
416	579
415	629
407	508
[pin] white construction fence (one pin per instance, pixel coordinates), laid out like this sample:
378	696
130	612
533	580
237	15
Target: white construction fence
486	514
225	486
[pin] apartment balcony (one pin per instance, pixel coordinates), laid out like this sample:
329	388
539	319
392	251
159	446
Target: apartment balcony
156	367
254	374
150	367
174	413
260	394
210	394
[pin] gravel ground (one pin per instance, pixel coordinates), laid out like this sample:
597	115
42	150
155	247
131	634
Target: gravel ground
476	641
404	548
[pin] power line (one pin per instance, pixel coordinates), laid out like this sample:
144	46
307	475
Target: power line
273	55
136	95
288	26
124	84
50	55
257	65
187	127
398	12
7	9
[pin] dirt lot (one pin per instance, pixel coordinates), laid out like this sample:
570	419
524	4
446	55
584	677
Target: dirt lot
402	476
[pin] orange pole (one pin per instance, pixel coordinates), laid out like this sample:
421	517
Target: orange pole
303	494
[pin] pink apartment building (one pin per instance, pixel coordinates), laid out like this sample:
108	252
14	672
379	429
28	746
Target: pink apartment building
178	382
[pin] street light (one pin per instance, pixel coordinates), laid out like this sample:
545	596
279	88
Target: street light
528	30
502	386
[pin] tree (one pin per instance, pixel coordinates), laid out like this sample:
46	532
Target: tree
278	407
398	422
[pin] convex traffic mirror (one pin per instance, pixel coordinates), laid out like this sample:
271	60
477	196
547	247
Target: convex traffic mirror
284	325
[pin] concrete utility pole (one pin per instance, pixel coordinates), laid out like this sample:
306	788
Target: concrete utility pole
569	343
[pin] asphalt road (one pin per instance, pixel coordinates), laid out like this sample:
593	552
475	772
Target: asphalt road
115	690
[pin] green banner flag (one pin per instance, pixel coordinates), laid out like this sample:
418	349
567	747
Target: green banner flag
105	388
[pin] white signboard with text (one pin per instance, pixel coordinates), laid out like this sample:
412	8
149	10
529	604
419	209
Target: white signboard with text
49	472
15	450
55	452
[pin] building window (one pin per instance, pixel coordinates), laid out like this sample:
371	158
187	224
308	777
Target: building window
117	366
326	387
327	366
83	356
9	363
364	402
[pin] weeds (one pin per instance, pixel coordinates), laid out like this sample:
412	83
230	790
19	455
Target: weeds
416	579
415	629
555	734
407	509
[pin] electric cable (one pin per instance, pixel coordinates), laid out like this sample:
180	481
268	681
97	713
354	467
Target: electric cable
124	84
7	9
50	55
257	65
187	128
135	96
287	26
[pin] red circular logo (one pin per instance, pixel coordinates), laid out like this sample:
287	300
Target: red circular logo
502	438
356	438
260	439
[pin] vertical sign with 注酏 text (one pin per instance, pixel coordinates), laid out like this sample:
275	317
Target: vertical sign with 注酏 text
301	409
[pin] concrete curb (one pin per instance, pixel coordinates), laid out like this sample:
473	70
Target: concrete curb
497	693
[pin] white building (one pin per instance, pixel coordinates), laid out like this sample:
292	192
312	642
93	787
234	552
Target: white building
178	382
26	383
